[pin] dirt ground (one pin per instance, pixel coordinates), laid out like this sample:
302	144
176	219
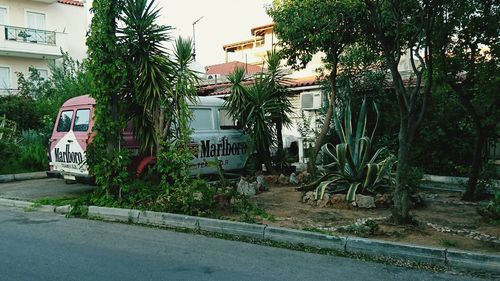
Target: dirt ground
442	209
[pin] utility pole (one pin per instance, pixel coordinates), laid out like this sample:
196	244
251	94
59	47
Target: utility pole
194	38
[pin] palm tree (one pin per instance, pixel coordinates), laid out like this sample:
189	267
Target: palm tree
236	102
150	68
262	108
183	89
158	82
276	78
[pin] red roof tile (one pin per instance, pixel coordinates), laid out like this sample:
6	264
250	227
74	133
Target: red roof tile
227	68
71	2
224	87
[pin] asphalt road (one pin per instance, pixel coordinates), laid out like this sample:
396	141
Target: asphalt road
46	246
41	188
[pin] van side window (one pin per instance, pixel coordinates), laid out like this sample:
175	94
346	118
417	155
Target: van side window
202	119
82	120
226	121
65	119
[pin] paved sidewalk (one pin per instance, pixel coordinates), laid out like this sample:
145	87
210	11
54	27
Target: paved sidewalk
35	189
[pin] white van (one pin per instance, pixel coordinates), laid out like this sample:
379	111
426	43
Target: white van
215	137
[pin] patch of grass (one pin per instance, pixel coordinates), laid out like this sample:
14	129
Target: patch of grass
250	212
448	243
56	201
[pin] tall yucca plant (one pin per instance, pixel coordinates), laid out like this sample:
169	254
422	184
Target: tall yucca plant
355	167
276	79
237	102
150	69
183	87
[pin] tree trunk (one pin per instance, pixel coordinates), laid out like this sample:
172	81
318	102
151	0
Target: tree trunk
477	161
112	140
401	196
280	152
265	158
311	167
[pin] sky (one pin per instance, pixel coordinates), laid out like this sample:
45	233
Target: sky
223	22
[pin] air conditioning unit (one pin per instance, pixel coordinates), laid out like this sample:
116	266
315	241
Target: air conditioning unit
310	100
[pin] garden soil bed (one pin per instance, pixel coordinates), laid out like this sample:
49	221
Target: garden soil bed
443	210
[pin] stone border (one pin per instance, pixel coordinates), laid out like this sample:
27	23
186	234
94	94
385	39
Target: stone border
454	259
458	260
23	176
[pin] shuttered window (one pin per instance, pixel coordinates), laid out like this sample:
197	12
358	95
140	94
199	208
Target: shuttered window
4	78
3	15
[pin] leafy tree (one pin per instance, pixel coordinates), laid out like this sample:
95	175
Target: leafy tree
107	162
69	78
108	71
396	27
311	26
468	60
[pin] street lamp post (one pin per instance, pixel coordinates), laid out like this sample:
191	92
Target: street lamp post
194	37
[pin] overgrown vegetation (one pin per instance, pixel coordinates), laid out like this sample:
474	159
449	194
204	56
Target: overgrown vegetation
155	102
28	117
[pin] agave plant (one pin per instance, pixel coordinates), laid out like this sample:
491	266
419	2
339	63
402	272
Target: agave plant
355	167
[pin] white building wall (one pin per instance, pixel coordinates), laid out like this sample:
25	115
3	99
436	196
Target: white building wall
69	23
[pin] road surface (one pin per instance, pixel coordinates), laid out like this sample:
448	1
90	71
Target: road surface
41	188
46	246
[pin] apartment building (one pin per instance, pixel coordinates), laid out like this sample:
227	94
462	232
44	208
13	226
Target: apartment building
33	33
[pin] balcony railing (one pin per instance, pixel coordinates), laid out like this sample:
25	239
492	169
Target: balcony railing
30	35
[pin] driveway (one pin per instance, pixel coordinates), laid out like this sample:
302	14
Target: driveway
35	189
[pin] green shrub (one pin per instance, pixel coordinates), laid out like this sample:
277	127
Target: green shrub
22	110
33	151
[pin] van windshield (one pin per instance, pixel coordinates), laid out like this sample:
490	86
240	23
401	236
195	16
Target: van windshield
82	120
65	119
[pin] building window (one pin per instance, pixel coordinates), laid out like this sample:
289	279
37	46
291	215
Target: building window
4	78
3	15
35	20
44	73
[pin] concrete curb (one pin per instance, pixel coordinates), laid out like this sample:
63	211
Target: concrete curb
35	207
474	261
307	238
458	183
23	176
411	252
457	260
176	220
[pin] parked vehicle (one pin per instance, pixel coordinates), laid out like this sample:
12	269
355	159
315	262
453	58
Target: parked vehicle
215	138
